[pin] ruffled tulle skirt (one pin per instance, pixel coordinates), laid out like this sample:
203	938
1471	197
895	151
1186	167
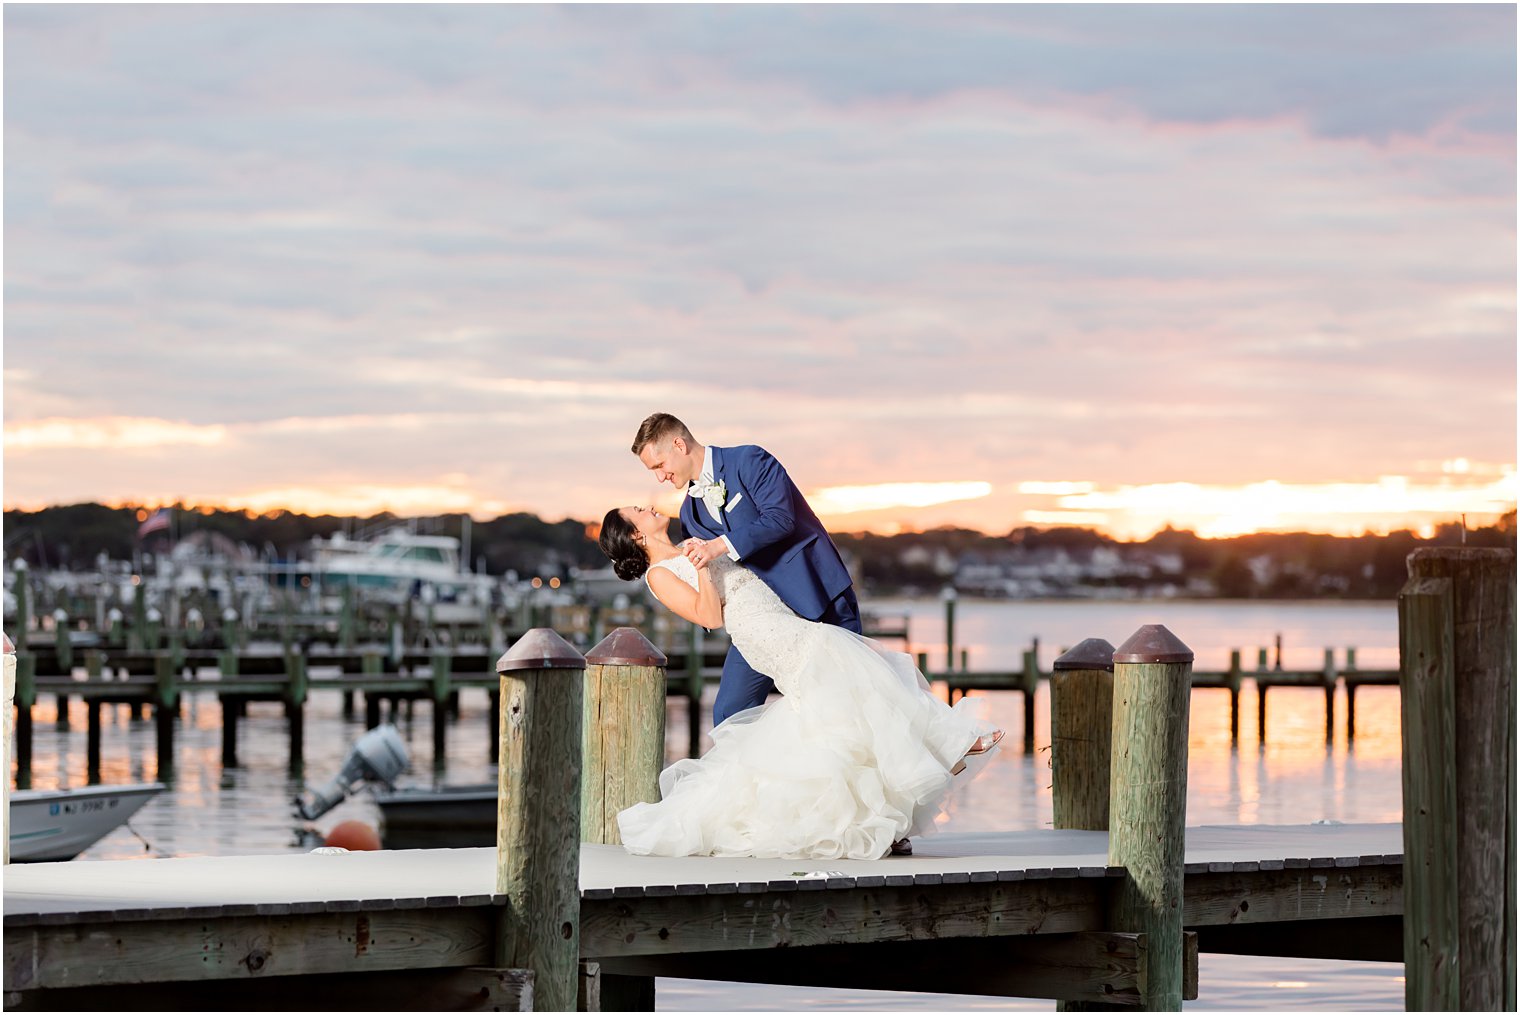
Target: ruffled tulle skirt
857	755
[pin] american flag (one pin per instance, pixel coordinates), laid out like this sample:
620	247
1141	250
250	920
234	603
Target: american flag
157	520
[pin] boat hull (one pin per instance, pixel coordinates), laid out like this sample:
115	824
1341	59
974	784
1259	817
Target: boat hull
450	817
59	824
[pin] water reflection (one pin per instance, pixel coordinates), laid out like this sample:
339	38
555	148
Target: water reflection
997	631
1291	778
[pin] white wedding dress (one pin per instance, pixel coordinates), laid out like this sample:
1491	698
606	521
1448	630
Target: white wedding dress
856	754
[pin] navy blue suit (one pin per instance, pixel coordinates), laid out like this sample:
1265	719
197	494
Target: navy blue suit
778	537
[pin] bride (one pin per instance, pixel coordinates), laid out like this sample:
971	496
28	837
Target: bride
854	758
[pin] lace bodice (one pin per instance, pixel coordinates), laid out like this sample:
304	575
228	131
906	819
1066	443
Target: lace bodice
764	628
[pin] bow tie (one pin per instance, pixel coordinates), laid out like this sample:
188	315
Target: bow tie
698	488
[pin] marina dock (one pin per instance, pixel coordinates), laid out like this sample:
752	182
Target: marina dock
157	679
1111	907
1032	904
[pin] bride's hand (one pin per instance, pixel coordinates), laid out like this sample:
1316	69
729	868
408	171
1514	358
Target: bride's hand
697	553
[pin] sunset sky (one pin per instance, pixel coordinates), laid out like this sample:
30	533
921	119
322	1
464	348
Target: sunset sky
1230	268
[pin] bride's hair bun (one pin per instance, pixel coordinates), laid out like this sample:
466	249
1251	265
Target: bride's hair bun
629	559
630	568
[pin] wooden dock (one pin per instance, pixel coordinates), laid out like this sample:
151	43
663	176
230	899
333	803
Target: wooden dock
1026	681
1017	914
157	680
1110	909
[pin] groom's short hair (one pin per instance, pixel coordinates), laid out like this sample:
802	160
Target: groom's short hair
660	427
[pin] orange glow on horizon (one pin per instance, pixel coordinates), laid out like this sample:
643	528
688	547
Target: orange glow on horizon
1480	492
1340	509
843	500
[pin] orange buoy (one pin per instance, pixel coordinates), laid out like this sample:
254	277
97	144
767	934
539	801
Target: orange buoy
353	835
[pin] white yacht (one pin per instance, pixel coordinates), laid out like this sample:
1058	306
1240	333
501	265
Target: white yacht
398	563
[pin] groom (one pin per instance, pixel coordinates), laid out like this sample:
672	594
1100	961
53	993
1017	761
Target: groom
742	503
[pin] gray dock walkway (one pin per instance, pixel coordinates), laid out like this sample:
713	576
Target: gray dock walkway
53	893
1016	914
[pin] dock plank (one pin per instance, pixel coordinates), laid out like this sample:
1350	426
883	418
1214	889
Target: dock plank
206	885
85	925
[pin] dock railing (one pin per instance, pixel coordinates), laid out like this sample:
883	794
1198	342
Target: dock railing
159	679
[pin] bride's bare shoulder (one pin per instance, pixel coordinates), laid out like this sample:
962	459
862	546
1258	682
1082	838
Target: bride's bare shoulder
675	572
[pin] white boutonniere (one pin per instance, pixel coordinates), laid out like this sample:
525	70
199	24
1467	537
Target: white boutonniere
713	494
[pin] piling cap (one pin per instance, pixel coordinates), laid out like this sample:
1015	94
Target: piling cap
1153	643
540	649
8	648
626	646
1091	654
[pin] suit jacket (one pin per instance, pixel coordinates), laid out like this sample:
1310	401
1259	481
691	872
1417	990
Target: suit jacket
772	528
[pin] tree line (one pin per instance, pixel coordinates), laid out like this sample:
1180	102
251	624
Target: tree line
74	536
1303	564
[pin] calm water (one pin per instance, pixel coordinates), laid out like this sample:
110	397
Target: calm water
1293	777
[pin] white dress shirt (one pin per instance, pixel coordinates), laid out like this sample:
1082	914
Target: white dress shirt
706	477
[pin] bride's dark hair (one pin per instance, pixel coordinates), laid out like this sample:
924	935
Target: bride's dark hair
629	559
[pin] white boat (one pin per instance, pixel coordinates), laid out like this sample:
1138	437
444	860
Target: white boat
400	562
59	824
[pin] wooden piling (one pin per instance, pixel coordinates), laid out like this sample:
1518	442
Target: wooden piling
623	731
371	665
1428	718
1457	657
136	637
443	667
8	661
26	696
1329	672
1261	697
1350	695
231	709
63	645
538	815
165	711
1081	733
624	750
346	621
92	741
949	629
1232	680
1030	685
21	588
231	638
154	630
694	684
295	710
1148	803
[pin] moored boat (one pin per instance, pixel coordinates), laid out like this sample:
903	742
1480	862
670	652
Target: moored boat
448	817
59	824
398	563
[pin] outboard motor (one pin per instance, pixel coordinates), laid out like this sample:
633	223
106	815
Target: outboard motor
378	756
